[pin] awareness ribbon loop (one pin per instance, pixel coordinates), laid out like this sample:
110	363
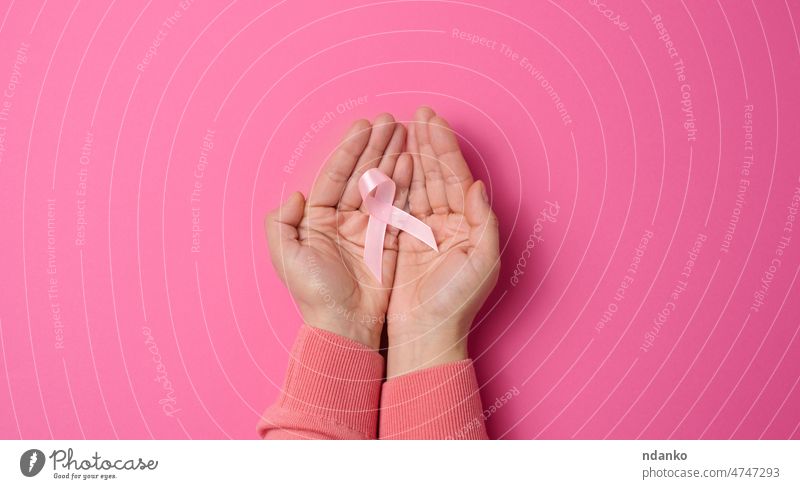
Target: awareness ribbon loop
378	191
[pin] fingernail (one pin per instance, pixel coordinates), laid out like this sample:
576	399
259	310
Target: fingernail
483	193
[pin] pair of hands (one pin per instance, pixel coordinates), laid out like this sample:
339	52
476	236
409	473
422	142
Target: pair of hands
427	299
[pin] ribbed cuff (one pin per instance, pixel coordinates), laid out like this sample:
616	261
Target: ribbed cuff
332	388
440	402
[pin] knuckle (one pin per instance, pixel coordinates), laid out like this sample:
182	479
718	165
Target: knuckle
336	175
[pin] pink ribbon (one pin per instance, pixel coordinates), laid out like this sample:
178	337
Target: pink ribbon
378	191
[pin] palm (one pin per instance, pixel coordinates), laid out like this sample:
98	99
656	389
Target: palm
426	280
332	249
317	246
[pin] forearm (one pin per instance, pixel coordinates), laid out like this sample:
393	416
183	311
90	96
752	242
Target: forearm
331	391
440	402
411	352
431	390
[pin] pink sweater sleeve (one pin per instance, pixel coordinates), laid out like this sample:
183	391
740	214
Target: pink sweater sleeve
331	391
440	402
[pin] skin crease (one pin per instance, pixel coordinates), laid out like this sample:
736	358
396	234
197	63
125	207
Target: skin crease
432	297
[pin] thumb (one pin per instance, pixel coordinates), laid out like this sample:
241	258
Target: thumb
281	228
483	234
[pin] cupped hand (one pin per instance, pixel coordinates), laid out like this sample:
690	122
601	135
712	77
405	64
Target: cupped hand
317	245
436	295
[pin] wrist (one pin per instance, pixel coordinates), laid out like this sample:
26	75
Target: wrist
356	327
409	352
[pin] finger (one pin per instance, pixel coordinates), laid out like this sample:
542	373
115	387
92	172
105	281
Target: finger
392	153
403	172
281	228
332	180
434	182
393	150
418	203
483	234
456	175
382	131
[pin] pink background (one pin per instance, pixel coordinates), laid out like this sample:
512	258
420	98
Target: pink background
75	316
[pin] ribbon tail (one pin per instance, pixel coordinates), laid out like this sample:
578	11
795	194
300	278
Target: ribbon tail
373	248
406	222
426	236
